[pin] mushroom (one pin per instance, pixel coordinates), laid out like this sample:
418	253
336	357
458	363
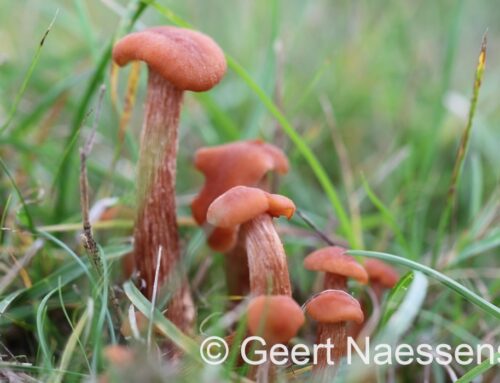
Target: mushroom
337	267
251	210
266	318
178	60
244	163
332	309
382	276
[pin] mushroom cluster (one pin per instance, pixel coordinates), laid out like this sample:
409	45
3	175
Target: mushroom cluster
235	206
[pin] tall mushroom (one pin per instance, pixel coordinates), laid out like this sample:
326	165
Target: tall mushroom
244	163
332	309
178	60
251	210
337	267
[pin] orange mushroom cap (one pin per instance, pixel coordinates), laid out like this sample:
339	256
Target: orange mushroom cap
188	59
241	204
225	166
334	306
382	273
238	163
277	318
332	259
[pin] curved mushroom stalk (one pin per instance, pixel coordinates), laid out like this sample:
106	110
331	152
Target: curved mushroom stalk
267	262
241	163
332	309
252	208
178	60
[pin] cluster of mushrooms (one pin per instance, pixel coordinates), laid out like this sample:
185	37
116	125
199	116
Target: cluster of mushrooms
235	206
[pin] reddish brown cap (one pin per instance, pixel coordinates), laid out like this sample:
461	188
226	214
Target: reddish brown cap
381	272
333	260
333	306
188	59
239	163
277	318
241	204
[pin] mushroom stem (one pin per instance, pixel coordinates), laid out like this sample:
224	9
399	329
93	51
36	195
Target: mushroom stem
267	262
337	333
156	223
236	268
335	282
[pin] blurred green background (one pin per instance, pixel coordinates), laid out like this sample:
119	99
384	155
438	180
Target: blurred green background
379	90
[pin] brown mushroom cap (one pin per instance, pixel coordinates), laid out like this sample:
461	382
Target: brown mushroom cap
241	204
187	59
239	163
381	272
333	260
333	306
277	318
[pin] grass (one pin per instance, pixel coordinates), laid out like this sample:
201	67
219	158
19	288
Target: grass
397	76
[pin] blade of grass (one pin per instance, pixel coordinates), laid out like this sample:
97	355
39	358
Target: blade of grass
479	369
388	217
67	161
5	212
20	196
41	313
28	75
68	320
397	296
168	329
460	156
470	296
72	342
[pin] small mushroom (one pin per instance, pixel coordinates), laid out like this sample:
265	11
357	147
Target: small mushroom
251	210
337	267
332	309
276	319
178	60
266	315
382	276
242	163
245	163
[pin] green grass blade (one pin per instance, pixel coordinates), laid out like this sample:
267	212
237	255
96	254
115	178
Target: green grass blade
67	354
67	161
27	78
397	296
182	341
461	154
470	296
40	318
479	369
401	319
20	196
